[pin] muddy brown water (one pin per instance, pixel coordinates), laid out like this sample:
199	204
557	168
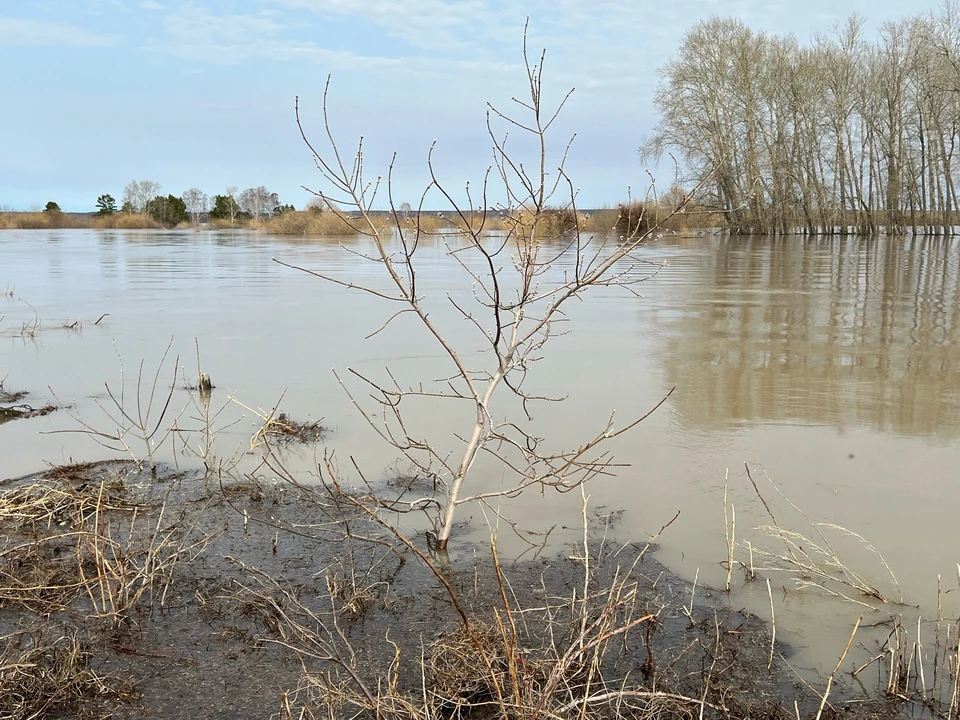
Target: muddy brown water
831	365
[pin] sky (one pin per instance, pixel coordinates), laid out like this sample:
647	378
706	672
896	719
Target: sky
96	93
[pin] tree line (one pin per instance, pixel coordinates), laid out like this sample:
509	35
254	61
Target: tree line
143	197
844	135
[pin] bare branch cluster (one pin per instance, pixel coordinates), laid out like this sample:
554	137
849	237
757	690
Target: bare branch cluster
519	281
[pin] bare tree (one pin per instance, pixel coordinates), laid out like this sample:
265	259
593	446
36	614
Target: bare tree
258	201
519	292
233	206
138	194
844	135
196	201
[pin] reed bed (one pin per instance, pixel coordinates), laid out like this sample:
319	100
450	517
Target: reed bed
310	222
60	220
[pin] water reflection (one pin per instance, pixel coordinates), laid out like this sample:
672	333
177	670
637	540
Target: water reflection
836	331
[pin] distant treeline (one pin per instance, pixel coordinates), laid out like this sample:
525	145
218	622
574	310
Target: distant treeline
145	208
842	136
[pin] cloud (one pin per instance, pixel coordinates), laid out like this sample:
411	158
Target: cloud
151	5
196	35
426	24
37	33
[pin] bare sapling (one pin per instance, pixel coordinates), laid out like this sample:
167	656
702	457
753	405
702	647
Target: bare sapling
139	421
518	283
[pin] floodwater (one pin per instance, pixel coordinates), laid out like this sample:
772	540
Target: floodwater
831	366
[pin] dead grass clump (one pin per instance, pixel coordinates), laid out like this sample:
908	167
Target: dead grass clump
66	539
225	224
57	504
44	220
125	221
551	222
10	396
38	576
26	221
457	670
635	218
281	428
42	679
309	222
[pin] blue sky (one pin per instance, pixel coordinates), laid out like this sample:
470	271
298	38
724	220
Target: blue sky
95	93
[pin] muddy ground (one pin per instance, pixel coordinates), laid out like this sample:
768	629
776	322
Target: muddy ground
126	593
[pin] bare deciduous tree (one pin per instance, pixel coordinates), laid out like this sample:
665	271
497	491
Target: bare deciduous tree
844	135
521	279
258	201
138	194
233	206
196	201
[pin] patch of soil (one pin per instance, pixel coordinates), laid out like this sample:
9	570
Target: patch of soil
251	583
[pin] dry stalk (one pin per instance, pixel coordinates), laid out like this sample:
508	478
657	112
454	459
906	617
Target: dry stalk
773	626
826	692
815	562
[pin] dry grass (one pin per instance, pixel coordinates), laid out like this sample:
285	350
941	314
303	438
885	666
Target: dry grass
812	559
502	660
44	678
225	224
921	669
281	428
124	221
639	216
40	220
310	222
66	539
47	221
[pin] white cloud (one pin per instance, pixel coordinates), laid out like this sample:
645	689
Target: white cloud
427	24
197	35
37	33
151	5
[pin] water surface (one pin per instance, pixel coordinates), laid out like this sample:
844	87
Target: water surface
832	363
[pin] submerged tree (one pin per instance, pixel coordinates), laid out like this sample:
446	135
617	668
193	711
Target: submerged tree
842	136
522	280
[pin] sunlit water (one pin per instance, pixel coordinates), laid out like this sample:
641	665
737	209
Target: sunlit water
832	364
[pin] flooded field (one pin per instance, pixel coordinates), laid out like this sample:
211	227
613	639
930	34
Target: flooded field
831	367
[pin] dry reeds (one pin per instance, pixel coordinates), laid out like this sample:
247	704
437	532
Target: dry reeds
68	538
43	678
124	221
310	222
813	561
